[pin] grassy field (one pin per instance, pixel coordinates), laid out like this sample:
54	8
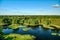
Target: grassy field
18	37
46	21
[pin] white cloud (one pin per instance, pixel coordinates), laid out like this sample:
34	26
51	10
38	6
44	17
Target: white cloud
56	5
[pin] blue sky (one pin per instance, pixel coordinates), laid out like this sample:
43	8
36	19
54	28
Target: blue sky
29	7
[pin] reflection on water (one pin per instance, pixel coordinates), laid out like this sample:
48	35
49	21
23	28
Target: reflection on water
35	31
38	32
7	31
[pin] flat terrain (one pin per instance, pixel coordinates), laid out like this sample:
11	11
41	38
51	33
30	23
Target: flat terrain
50	22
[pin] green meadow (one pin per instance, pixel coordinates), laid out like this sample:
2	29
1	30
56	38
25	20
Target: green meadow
46	21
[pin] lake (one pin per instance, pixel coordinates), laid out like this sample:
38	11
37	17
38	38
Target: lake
39	32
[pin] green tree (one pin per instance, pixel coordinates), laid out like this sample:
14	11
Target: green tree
7	21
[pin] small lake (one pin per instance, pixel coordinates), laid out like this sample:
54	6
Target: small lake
39	32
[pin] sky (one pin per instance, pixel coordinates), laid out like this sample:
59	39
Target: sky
29	7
